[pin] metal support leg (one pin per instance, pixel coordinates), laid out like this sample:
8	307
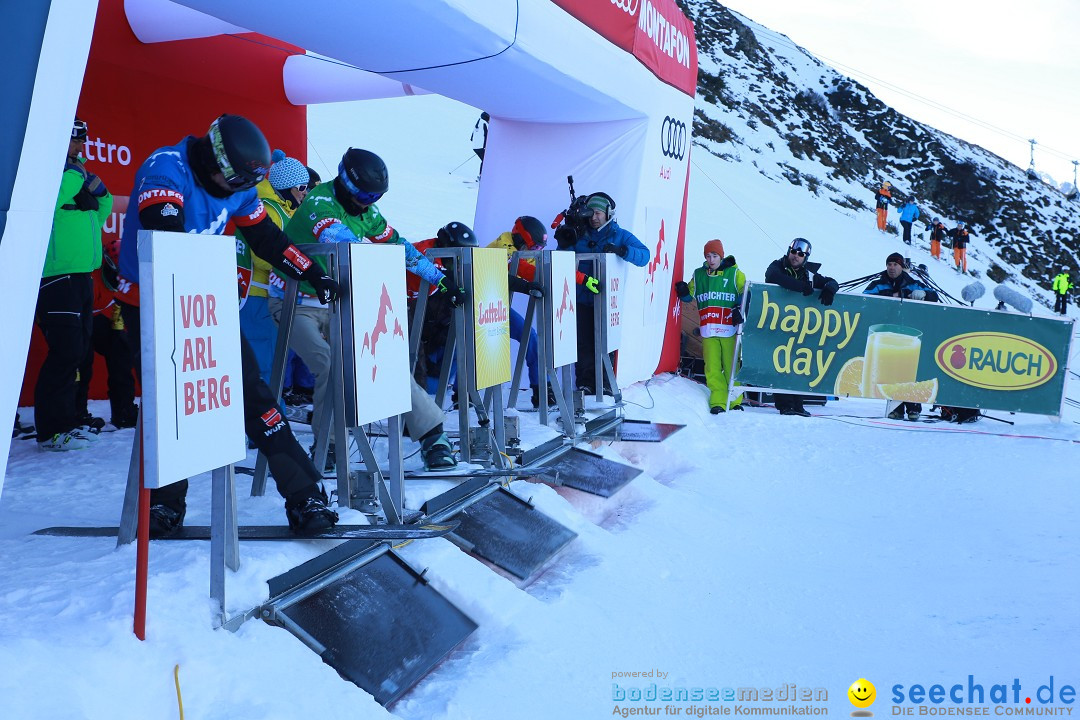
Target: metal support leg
224	541
129	514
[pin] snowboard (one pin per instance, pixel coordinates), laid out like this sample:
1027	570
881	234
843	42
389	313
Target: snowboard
281	532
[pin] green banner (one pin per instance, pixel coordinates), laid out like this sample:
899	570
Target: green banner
878	347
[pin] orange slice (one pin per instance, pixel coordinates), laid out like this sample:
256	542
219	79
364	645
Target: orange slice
924	391
849	379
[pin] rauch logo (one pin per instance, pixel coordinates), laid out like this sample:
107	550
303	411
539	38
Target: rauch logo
996	361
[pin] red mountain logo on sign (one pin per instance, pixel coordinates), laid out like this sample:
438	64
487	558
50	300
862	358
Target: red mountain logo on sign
566	304
659	256
996	361
371	339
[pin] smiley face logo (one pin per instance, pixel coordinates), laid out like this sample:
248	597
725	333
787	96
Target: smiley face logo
862	693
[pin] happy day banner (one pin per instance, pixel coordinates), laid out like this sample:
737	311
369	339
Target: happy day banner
875	347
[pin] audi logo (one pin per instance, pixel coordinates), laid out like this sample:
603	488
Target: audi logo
673	138
629	6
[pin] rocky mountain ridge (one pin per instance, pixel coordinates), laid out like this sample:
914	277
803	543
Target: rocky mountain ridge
762	99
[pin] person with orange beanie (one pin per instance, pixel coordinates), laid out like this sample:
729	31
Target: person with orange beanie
717	286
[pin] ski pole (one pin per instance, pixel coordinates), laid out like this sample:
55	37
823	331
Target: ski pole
461	163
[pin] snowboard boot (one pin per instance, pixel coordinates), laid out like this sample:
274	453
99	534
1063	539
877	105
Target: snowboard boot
125	417
331	458
438	455
914	416
897	414
62	442
309	511
164	520
716	409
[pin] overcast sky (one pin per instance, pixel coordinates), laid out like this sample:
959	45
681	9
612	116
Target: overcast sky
1012	65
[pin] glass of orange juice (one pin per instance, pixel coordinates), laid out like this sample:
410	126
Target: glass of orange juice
892	356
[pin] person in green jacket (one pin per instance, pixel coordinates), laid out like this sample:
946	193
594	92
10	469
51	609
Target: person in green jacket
1062	286
717	286
65	298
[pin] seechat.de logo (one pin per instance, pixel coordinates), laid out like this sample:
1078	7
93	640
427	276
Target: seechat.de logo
996	361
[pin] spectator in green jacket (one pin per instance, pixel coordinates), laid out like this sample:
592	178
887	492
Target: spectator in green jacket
66	296
1062	286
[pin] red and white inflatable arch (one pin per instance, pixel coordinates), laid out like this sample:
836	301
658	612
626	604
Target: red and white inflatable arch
614	111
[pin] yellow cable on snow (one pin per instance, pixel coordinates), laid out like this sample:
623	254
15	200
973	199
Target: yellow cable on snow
176	681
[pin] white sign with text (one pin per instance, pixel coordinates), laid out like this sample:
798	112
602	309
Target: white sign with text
192	373
616	273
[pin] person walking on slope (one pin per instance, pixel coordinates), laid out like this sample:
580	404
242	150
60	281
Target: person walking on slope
895	282
1062	286
881	200
909	213
794	272
479	140
937	234
195	186
960	236
717	286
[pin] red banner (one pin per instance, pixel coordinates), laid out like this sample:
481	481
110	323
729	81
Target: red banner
654	31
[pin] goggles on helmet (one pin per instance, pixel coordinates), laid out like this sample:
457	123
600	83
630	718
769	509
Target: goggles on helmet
79	130
233	177
361	196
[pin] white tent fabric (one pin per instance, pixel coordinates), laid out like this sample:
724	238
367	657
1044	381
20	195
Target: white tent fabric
562	100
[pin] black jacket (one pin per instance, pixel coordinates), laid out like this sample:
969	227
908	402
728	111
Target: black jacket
960	236
781	273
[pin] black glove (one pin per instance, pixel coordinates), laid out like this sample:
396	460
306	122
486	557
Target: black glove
326	287
456	296
828	292
536	289
566	236
807	287
736	316
84	200
619	250
682	289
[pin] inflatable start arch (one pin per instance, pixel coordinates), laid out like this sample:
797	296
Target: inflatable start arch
599	89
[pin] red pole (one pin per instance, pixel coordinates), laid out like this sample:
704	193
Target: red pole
142	553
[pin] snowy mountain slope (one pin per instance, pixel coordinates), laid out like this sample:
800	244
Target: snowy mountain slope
764	101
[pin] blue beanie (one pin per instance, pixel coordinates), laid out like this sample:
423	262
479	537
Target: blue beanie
287	172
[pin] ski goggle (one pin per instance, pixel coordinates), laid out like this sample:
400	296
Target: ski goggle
233	178
800	247
79	130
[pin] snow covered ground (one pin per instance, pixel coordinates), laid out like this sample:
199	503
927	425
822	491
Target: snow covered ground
754	550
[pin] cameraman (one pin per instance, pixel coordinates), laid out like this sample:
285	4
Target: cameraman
590	228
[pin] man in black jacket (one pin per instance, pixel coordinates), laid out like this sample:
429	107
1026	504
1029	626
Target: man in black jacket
795	272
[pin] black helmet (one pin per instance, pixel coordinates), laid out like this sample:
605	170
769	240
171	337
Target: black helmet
240	151
529	233
364	175
78	130
455	234
800	244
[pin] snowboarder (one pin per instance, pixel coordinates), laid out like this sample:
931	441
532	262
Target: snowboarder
881	200
1062	285
895	282
344	210
717	286
909	213
192	187
960	236
794	272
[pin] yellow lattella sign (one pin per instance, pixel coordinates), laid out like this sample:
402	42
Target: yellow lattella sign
830	330
996	361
